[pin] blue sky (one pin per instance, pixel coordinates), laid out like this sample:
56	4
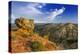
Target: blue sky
44	12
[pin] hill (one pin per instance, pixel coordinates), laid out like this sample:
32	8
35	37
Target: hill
24	39
64	35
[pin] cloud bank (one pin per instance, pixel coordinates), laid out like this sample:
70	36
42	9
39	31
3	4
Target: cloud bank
32	11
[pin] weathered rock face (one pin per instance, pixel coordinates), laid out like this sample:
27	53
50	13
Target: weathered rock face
24	23
25	26
23	39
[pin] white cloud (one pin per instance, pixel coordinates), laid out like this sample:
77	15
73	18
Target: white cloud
38	21
40	6
55	13
13	18
31	9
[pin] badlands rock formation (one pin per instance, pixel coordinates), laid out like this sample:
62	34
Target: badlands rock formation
24	39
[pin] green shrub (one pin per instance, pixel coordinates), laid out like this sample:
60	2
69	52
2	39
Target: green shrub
13	37
37	46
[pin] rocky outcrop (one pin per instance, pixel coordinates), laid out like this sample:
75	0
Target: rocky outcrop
25	26
23	39
24	23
